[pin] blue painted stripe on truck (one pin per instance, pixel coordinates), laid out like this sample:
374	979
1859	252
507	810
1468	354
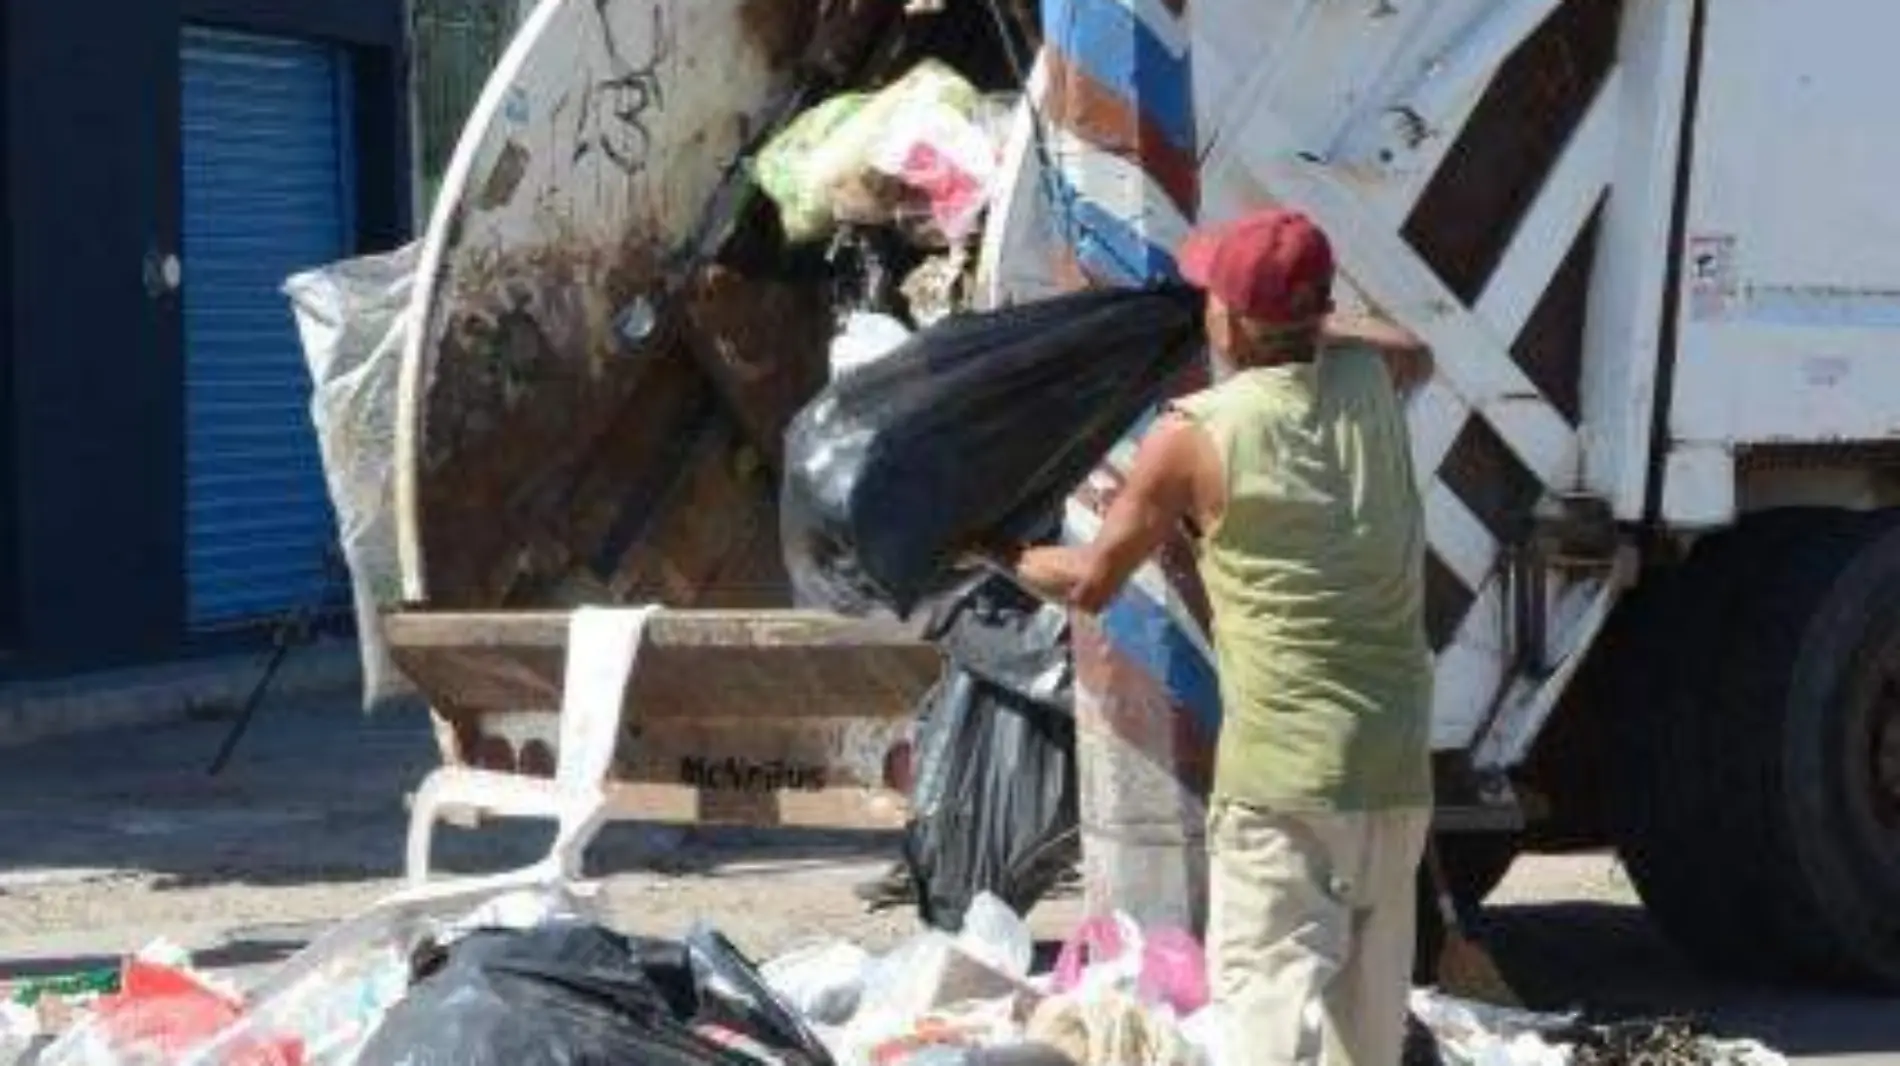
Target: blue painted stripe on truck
1107	41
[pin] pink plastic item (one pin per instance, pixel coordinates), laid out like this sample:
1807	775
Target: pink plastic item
1173	971
1094	942
1172	967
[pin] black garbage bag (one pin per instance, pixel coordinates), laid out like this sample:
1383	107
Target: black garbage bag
975	429
1008	637
571	994
1002	814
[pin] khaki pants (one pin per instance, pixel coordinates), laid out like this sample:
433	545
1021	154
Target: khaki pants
1310	933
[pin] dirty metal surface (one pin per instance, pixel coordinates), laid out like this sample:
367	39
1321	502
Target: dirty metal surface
693	664
751	711
554	421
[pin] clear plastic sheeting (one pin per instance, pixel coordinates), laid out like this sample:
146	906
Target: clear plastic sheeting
353	317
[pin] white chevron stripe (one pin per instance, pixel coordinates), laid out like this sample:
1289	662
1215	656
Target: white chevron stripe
1550	229
1469	670
1120	187
1459	537
1437	416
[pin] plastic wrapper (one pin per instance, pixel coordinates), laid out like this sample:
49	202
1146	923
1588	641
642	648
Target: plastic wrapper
333	995
823	982
19	1032
1160	966
353	318
938	287
865	338
163	1015
988	962
940	993
949	1034
1106	1027
947	166
996	935
816	159
974	431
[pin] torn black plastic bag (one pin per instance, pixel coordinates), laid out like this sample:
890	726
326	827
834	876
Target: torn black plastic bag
1001	634
571	994
1002	817
974	430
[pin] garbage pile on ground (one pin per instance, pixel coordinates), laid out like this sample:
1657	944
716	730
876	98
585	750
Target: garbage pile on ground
1464	1033
532	978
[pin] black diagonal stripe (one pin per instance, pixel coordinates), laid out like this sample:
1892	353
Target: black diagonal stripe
1482	471
1465	219
1447	601
1550	349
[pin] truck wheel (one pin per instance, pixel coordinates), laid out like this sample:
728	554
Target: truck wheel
1758	751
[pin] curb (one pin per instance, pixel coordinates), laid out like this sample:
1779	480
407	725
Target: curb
170	693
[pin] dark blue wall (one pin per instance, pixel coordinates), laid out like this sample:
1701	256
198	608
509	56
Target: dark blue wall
97	391
9	541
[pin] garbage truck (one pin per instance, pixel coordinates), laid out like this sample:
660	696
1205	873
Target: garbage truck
1651	243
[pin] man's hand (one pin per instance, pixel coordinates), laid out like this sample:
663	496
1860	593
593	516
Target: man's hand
1407	358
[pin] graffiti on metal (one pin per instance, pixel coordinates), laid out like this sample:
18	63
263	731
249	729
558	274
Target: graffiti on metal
613	116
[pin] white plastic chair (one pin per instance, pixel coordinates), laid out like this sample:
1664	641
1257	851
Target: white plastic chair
603	649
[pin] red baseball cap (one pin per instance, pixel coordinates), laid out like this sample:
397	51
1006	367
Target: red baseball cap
1273	266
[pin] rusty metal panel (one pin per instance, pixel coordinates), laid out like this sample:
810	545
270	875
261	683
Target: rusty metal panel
550	402
753	711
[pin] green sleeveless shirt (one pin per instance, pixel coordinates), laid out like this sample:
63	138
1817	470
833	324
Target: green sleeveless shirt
1315	575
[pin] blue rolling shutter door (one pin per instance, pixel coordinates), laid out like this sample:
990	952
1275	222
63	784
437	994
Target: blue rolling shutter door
266	193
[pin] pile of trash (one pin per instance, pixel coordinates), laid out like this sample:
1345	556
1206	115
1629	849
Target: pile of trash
895	184
1464	1033
532	978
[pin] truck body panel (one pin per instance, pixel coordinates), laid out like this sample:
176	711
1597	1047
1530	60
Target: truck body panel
1404	134
542	424
1791	253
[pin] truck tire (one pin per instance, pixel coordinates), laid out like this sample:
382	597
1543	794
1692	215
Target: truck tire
1758	750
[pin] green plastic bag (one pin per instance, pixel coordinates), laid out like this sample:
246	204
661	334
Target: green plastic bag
831	145
784	168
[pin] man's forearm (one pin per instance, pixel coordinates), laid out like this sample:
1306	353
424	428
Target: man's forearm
1054	572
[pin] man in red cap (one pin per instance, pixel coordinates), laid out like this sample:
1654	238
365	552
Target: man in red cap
1294	472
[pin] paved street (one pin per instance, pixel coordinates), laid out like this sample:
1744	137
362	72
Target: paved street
109	841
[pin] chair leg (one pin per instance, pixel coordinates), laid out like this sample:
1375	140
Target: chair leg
459	787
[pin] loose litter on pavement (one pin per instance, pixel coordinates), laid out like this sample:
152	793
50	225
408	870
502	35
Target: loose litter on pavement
1465	1033
530	977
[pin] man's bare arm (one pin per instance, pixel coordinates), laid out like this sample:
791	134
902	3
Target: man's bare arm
1174	477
